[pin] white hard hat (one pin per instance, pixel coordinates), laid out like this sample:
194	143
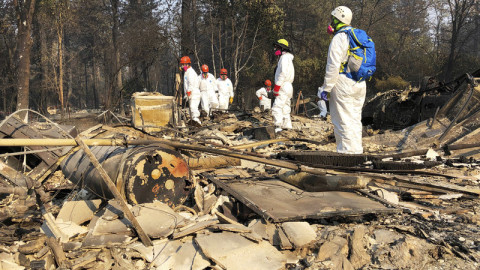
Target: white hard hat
343	14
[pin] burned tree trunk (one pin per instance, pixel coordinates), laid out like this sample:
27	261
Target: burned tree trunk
25	11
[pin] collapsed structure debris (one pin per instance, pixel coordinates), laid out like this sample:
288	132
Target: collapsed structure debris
397	109
233	195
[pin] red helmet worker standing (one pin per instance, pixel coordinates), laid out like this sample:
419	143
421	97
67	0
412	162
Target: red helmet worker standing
208	87
263	94
225	90
190	86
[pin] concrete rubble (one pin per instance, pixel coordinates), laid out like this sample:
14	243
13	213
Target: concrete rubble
249	198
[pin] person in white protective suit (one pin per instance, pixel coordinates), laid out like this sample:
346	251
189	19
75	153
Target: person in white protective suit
283	90
208	89
190	86
262	95
225	90
346	95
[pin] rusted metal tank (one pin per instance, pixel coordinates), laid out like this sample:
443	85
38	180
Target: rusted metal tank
141	173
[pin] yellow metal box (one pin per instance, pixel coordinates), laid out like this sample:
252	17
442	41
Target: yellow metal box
152	110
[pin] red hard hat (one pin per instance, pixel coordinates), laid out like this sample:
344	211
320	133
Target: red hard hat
185	60
268	83
223	71
204	68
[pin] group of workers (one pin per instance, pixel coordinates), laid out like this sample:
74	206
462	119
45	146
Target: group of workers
204	90
346	96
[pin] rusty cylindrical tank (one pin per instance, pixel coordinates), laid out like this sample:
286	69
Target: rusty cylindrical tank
141	173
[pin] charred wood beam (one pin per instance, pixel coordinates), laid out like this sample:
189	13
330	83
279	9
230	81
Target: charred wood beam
21	180
17	210
321	183
13	190
212	162
58	253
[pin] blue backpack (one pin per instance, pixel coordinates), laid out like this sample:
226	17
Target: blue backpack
360	64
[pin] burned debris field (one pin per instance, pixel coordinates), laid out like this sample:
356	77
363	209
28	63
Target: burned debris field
95	190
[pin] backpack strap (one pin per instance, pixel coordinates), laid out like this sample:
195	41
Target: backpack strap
349	31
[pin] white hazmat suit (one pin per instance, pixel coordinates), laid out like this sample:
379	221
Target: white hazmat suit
346	98
208	87
225	92
190	84
262	95
284	76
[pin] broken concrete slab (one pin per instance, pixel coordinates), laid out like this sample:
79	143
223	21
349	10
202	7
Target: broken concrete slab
330	249
10	265
232	228
70	228
189	256
233	251
176	254
431	154
116	226
60	229
266	230
157	219
358	253
148	252
406	251
387	195
78	212
97	241
300	234
385	237
282	239
341	262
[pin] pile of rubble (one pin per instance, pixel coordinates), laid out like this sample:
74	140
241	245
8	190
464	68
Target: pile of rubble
232	194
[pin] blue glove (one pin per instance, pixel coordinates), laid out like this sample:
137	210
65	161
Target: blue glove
323	95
